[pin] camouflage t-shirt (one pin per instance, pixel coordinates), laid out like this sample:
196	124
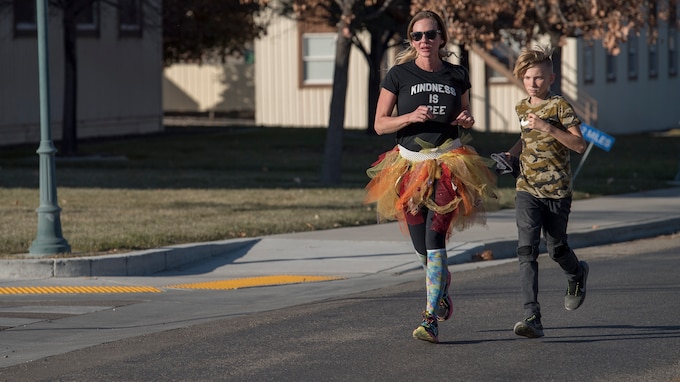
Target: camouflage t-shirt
545	169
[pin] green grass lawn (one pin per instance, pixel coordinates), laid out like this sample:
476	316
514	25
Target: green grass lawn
212	183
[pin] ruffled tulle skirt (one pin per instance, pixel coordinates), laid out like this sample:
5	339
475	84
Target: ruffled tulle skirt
451	180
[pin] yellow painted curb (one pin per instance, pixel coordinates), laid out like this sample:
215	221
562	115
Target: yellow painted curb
246	282
77	289
254	281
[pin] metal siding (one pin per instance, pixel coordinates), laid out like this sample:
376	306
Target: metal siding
504	97
224	87
478	96
570	70
642	104
270	100
197	83
356	111
279	99
118	82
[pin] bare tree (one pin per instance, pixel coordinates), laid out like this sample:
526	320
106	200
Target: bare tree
470	22
610	21
382	19
196	30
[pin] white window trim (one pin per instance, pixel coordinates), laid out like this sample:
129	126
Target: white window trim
672	51
94	25
131	29
653	60
610	63
28	28
589	62
318	58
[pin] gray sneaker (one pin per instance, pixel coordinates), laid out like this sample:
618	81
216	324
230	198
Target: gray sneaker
576	290
529	327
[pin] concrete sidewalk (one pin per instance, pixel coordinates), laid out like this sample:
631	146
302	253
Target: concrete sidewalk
368	249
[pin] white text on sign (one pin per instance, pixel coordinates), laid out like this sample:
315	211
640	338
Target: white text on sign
597	137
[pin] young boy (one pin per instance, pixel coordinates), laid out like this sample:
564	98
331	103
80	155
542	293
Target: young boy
549	130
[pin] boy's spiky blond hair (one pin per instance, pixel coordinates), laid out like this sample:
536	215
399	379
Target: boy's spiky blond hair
539	55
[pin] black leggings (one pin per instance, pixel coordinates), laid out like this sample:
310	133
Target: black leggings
424	237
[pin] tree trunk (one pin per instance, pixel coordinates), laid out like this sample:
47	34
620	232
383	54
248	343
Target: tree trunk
556	57
557	69
464	57
331	172
69	142
375	62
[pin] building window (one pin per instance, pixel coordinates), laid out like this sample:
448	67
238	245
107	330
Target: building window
25	16
318	58
610	61
653	60
632	57
87	20
672	51
130	18
589	62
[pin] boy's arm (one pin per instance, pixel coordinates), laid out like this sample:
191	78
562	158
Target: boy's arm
571	138
515	149
508	162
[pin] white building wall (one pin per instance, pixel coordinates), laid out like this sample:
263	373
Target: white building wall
619	107
493	99
119	81
503	96
19	102
220	88
478	94
570	69
634	105
279	99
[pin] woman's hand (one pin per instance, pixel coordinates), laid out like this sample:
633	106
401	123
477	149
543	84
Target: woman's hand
421	114
464	119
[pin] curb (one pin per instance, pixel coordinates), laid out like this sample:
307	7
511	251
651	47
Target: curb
597	236
152	261
140	263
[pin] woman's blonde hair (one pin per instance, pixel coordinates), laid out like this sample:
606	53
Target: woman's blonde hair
539	55
410	53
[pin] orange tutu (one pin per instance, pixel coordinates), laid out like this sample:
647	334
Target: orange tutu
401	186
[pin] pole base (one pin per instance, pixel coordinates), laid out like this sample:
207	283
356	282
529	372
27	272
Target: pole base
49	246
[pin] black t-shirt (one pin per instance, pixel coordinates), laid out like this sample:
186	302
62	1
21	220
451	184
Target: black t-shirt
441	91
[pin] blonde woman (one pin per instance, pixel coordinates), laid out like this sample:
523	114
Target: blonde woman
431	181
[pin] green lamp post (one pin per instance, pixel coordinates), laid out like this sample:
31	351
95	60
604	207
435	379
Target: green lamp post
49	239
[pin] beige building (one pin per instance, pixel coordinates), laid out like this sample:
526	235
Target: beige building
123	88
633	92
119	64
293	78
224	89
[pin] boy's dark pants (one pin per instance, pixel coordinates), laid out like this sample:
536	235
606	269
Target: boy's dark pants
551	216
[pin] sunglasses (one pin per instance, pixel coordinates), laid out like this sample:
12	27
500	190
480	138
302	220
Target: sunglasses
430	35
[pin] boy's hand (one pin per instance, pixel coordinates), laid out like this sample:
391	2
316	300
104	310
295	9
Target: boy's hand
506	164
536	123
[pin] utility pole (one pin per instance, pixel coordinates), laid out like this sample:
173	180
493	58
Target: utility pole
49	239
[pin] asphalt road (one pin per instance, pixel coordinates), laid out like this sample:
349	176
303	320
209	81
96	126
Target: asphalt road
627	330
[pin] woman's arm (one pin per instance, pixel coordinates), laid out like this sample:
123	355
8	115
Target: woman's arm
465	119
386	123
